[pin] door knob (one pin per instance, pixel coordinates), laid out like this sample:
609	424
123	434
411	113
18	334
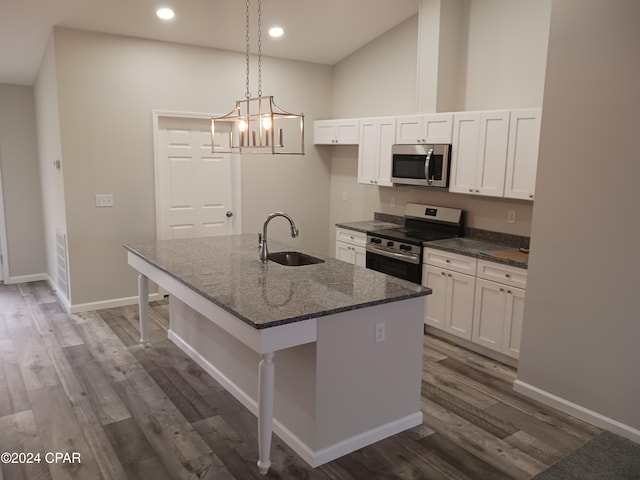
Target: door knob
229	214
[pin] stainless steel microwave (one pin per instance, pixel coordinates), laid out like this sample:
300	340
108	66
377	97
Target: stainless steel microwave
421	164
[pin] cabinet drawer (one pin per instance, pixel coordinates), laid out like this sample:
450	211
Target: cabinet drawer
351	236
505	274
450	261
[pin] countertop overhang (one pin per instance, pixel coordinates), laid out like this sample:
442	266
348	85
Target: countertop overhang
227	271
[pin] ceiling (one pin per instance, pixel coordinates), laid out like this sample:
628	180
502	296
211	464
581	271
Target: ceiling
319	31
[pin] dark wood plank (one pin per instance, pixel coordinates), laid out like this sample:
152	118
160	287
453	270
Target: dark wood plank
165	354
10	442
13	393
535	447
99	392
65	331
432	374
29	439
408	460
556	438
186	399
162	424
125	332
136	454
481	418
60	432
232	450
480	443
462	459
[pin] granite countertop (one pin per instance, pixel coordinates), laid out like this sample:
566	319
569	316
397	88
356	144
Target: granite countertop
481	249
368	226
479	244
227	271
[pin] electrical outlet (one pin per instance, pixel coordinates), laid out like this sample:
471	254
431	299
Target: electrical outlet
380	333
511	216
393	202
104	200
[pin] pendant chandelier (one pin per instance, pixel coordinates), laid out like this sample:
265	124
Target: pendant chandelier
257	124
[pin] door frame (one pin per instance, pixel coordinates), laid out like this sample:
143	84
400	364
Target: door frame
236	167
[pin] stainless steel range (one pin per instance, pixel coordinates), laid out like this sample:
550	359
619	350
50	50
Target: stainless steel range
398	251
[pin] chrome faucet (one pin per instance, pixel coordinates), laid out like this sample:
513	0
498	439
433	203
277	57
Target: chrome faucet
262	238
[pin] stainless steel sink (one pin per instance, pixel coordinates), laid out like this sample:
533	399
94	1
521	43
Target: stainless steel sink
293	259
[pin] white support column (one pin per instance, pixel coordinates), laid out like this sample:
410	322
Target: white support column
266	376
143	308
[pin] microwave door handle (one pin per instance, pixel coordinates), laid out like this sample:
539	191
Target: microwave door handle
427	167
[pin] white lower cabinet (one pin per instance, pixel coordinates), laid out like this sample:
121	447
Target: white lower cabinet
450	306
476	300
499	308
350	246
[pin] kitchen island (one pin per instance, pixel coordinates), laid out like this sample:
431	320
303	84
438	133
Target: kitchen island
348	339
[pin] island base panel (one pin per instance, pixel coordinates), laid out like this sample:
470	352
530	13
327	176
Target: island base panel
330	397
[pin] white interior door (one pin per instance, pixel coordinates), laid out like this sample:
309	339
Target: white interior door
197	192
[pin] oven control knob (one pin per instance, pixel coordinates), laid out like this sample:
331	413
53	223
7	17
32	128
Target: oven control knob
389	244
406	248
376	240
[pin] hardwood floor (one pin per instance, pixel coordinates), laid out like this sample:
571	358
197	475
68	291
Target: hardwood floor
81	383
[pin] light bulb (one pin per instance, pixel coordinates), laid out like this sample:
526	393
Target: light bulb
266	123
242	126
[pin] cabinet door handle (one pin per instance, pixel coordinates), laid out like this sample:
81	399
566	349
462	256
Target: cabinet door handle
507	275
509	292
502	289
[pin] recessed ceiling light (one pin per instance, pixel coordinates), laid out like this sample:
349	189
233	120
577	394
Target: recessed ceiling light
165	13
276	32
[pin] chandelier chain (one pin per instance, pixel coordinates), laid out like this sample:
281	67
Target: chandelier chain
247	92
259	48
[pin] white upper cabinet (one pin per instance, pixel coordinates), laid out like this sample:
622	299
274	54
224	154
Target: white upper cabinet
522	157
377	135
432	128
336	132
479	152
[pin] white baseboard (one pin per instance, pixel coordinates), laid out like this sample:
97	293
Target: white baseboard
113	303
366	438
313	458
577	411
36	277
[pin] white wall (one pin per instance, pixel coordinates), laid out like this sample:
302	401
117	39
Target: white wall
21	184
506	53
49	150
582	312
379	78
107	88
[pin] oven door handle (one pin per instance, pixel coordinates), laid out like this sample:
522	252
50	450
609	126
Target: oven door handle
405	257
427	169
